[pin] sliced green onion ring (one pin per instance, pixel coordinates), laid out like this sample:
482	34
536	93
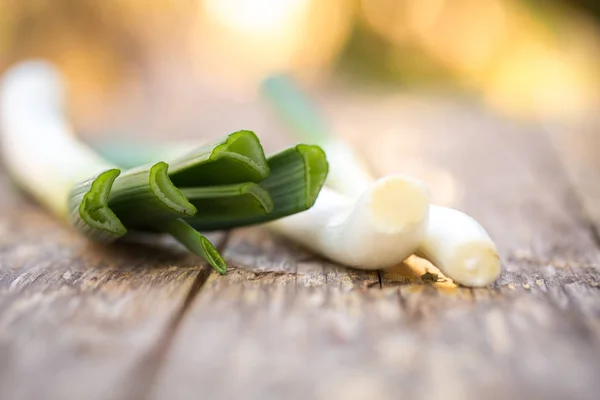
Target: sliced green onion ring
88	208
146	194
297	176
237	159
218	202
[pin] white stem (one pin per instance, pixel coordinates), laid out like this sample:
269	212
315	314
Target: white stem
379	230
40	150
454	242
460	247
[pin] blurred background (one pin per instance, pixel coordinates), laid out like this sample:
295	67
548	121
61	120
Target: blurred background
431	79
167	67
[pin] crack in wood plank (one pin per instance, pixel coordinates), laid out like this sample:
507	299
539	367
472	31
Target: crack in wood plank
594	231
280	309
589	324
575	147
138	384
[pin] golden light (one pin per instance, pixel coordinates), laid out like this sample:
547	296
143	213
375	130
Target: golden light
461	34
254	17
5	28
503	49
465	34
388	18
238	42
537	79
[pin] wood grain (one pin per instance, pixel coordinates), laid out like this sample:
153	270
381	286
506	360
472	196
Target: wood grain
259	328
528	330
144	320
578	144
286	325
79	321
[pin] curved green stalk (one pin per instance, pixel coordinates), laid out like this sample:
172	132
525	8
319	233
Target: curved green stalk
295	108
194	242
297	176
220	204
147	194
237	159
88	208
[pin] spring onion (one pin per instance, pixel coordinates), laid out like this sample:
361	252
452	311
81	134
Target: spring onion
369	233
454	242
44	157
228	180
296	177
40	150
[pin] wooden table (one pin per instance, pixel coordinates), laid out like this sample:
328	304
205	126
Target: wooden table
143	319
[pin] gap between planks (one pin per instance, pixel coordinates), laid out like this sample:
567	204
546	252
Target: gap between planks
138	384
569	163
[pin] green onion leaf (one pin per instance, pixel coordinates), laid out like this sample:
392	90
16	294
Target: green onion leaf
295	108
297	176
218	205
89	211
237	159
194	242
146	194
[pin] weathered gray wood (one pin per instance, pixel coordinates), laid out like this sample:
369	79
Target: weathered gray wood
578	146
303	328
133	321
537	334
270	329
77	320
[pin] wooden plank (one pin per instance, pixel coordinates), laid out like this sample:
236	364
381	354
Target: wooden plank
87	322
578	145
289	325
83	321
266	316
538	329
